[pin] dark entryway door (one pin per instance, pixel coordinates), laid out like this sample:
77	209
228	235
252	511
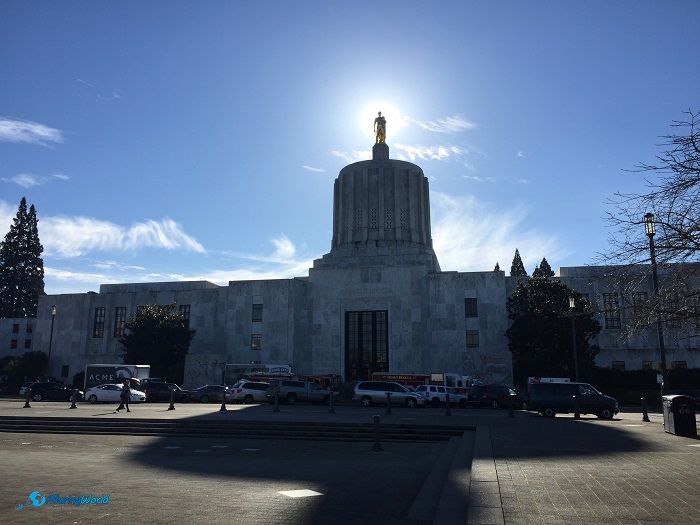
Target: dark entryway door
366	344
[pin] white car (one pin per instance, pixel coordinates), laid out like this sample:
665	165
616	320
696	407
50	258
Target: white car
436	395
110	394
249	392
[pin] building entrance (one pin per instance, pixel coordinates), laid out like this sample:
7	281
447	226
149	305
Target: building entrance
366	344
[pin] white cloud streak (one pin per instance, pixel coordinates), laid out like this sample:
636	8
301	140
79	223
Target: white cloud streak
469	236
455	124
66	237
13	130
317	170
29	180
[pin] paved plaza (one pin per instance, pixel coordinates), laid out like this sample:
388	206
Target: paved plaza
520	470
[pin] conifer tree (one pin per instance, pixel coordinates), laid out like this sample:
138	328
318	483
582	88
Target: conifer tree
497	268
517	269
543	271
21	266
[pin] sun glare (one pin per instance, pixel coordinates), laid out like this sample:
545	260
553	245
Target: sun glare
395	121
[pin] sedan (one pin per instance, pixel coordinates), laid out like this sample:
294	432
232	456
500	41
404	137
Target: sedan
52	390
110	393
207	393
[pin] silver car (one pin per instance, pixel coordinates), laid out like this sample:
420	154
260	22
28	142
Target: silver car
249	392
370	393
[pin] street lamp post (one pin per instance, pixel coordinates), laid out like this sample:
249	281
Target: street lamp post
650	228
53	318
572	304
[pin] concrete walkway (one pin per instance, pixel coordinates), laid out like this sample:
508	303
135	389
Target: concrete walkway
521	470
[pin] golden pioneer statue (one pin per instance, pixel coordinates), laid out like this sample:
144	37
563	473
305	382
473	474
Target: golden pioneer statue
380	129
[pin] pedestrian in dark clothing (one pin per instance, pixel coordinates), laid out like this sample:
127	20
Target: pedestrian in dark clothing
125	396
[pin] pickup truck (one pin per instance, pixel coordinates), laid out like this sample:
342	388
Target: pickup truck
291	391
436	395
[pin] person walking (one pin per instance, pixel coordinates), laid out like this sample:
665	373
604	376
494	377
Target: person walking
125	396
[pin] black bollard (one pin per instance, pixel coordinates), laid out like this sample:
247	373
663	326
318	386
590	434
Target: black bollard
577	410
645	414
28	396
388	403
73	398
331	410
277	402
172	399
377	445
223	401
448	412
510	406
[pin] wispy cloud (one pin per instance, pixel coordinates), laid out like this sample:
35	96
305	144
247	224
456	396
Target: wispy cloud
12	130
29	180
317	170
429	152
470	236
455	124
355	156
77	236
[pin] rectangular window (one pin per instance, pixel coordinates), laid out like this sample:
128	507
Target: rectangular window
472	338
64	370
611	306
470	307
119	321
15	328
13	344
679	364
639	299
256	342
185	313
27	344
647	365
29	328
618	365
257	313
98	325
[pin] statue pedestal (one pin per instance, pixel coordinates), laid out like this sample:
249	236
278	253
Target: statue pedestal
380	152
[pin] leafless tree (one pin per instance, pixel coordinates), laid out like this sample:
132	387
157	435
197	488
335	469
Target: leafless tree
673	197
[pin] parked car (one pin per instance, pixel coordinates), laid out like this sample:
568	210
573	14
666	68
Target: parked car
109	393
291	391
156	391
495	396
370	393
24	387
549	399
249	392
52	391
436	395
207	393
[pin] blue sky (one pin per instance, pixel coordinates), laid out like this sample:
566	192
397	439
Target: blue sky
164	141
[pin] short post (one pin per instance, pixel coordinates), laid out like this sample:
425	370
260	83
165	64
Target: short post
331	410
377	445
277	401
224	391
73	397
645	414
510	407
172	398
577	410
27	397
388	404
448	412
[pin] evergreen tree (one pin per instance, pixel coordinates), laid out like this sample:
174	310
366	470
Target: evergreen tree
517	269
158	336
497	268
540	337
21	266
543	271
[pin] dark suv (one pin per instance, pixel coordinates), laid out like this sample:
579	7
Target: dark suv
495	396
551	398
161	392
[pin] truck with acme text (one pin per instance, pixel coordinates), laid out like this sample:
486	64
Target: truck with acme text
100	374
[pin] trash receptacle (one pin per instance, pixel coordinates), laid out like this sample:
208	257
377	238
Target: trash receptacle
679	415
